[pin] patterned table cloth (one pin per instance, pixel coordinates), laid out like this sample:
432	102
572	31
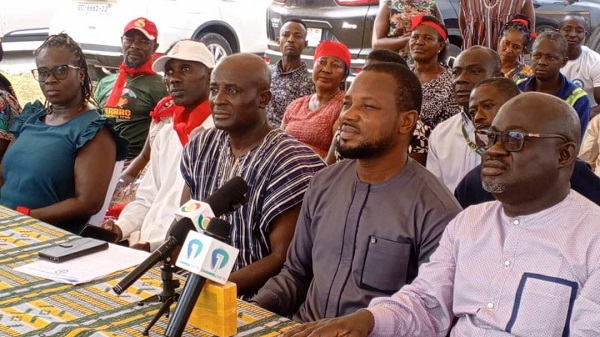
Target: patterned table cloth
32	306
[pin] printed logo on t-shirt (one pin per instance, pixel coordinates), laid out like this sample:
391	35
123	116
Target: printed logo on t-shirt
124	106
578	82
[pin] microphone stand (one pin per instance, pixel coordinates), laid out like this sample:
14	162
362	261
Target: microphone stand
167	296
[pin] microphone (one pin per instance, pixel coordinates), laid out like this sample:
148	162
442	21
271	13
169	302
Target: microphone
226	199
176	235
219	230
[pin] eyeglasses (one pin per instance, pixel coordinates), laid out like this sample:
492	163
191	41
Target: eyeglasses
144	43
59	72
512	140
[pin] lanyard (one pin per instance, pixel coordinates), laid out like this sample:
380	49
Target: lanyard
472	145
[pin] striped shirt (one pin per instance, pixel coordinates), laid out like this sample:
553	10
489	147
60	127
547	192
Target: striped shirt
277	172
485	18
532	275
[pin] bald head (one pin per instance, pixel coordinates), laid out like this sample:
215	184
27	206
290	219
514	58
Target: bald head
531	172
472	66
552	114
239	94
487	56
249	66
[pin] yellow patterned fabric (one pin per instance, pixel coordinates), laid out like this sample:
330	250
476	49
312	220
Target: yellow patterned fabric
32	306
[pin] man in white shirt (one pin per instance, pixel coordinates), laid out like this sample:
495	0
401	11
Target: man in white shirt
583	67
144	221
452	149
527	264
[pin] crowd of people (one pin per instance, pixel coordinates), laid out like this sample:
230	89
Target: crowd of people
424	199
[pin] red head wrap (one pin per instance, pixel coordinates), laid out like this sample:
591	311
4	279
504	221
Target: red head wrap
418	20
332	48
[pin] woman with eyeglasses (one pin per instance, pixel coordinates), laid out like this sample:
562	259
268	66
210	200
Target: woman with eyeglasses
311	118
59	167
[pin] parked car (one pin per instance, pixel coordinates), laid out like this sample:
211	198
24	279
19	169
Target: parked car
347	21
24	23
351	22
548	14
225	26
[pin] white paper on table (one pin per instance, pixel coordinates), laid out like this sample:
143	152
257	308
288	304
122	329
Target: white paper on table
86	268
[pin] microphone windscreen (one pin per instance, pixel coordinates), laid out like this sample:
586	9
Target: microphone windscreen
218	229
228	195
180	229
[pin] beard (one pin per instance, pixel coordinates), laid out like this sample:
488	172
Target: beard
493	187
365	150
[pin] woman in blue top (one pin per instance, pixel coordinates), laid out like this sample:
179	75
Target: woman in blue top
59	167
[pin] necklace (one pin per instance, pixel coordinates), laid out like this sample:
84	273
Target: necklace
50	109
489	6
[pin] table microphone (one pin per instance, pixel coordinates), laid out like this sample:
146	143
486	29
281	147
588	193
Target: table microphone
219	230
225	199
176	235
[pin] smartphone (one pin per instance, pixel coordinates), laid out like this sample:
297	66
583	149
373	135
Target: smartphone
96	232
72	249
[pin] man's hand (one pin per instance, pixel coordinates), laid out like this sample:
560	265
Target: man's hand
358	324
111	226
142	246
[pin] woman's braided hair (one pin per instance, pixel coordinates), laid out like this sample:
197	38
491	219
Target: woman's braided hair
516	24
65	41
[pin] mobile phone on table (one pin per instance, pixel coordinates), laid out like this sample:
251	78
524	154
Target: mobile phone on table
73	249
96	232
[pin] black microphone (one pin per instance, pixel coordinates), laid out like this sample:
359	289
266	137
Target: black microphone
176	236
217	229
226	199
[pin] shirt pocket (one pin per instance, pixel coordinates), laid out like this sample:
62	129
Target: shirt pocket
386	264
543	306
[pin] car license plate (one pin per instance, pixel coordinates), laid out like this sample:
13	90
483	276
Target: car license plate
93	8
313	36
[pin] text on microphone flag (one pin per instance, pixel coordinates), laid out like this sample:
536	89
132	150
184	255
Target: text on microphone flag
207	257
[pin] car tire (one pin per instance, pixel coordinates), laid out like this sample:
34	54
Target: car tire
95	73
217	45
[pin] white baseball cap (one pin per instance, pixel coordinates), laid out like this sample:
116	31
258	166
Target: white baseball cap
187	50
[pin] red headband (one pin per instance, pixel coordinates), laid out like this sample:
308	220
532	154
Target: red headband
533	35
523	21
418	20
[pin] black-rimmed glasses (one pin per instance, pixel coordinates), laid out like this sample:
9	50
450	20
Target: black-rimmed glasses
512	140
144	43
59	72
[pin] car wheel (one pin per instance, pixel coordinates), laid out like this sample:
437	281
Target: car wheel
217	45
96	74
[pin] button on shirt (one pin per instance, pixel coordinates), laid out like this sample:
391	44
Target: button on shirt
535	275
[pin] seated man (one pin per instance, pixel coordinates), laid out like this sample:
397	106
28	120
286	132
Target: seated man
145	220
486	99
366	224
583	65
527	264
276	167
452	150
130	95
548	56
